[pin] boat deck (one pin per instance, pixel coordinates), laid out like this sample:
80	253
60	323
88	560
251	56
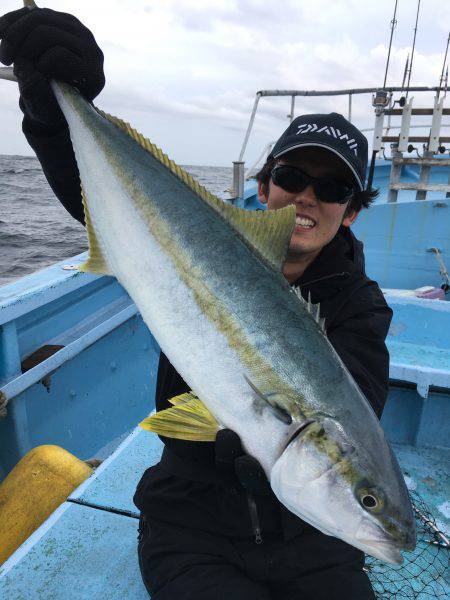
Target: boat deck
87	548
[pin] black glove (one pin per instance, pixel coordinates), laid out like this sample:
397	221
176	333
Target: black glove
231	460
44	44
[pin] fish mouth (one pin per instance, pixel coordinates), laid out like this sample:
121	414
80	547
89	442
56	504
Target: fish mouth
384	547
384	551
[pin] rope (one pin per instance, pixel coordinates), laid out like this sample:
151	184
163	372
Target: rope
442	269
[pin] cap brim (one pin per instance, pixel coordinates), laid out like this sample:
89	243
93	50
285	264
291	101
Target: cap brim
318	145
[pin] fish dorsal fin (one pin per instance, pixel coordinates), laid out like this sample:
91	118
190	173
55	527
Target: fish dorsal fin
267	232
187	419
314	309
96	262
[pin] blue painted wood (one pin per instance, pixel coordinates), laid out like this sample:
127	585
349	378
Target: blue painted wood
418	342
402	415
397	238
434	428
419	321
90	400
427	471
9	352
80	554
40	288
67	318
114	482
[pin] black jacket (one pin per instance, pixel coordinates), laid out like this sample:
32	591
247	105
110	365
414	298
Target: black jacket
185	488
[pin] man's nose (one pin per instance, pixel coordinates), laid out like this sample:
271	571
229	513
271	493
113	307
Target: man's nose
306	196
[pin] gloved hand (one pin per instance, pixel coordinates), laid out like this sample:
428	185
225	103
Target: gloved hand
232	460
44	44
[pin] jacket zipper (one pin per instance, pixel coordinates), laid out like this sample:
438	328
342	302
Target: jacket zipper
254	518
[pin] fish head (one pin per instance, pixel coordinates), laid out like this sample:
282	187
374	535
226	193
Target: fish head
326	481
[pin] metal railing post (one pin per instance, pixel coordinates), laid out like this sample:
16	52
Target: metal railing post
436	125
238	178
291	116
396	170
350	108
250	125
404	130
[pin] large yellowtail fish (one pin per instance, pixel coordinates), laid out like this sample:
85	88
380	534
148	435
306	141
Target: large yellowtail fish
207	280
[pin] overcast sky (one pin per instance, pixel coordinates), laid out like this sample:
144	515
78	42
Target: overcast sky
185	72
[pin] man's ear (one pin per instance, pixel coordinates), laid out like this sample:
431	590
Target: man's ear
350	218
262	193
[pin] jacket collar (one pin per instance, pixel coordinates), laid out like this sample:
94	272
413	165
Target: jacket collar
339	263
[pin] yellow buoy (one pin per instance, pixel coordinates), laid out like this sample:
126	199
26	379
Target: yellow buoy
38	484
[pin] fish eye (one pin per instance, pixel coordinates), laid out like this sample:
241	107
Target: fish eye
369	501
370	498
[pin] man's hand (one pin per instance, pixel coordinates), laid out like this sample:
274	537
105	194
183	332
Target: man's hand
44	44
232	460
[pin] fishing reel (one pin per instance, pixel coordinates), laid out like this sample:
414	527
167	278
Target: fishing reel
381	99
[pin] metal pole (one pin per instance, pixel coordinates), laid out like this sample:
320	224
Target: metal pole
345	92
350	108
413	46
238	179
250	125
292	108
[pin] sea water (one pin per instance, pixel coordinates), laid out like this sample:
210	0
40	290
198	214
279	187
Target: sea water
37	231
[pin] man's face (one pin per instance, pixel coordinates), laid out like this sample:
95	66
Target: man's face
322	219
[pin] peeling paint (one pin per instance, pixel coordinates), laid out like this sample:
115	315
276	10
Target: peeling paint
46	382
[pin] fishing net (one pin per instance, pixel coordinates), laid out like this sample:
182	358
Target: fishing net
425	571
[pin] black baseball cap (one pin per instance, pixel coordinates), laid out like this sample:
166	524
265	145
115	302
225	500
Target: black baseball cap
331	131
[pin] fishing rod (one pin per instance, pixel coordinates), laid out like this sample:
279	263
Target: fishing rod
413	48
380	99
444	75
393	25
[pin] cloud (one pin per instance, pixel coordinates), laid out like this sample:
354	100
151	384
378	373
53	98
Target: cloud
196	64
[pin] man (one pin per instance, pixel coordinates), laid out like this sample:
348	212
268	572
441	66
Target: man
210	527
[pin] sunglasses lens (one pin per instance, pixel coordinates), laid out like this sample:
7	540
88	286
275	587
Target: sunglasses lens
291	180
332	191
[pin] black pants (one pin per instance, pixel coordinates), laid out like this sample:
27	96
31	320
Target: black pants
185	564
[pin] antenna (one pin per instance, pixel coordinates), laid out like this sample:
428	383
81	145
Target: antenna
413	47
393	25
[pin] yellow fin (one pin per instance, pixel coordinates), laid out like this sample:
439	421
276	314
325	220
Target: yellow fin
96	262
188	419
267	232
182	398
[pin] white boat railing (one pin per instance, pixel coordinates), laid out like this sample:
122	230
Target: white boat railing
384	104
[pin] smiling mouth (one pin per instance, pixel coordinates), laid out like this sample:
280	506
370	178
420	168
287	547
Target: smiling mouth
304	222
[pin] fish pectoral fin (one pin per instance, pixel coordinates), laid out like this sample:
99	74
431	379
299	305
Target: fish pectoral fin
96	262
187	419
273	401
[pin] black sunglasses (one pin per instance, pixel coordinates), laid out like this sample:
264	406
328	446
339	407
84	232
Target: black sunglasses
294	180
